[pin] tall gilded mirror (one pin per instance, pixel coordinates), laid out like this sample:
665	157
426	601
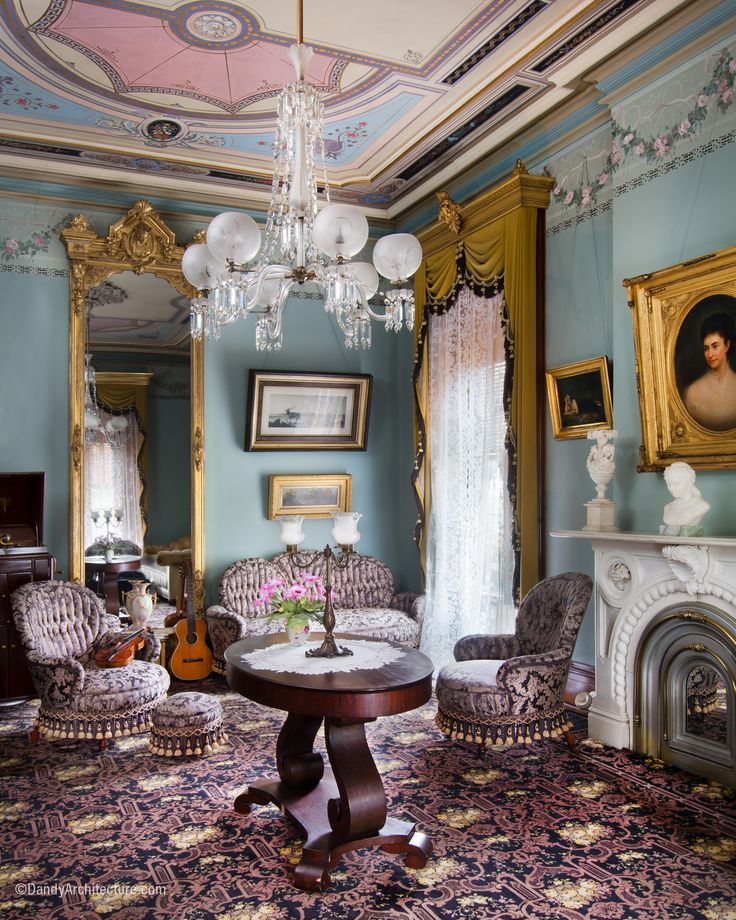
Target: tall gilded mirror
136	401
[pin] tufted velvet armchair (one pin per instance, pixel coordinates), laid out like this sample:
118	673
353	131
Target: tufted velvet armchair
362	594
508	689
61	626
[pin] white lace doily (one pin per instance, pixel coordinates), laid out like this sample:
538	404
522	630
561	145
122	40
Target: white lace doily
291	658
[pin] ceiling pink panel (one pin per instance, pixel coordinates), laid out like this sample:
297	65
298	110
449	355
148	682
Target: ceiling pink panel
89	15
132	52
262	63
191	70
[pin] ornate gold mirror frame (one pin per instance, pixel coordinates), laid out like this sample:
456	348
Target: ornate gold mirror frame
140	242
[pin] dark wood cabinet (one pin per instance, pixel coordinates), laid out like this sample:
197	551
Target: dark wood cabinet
16	569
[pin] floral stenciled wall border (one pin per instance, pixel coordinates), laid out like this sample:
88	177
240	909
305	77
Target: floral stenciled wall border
31	244
630	143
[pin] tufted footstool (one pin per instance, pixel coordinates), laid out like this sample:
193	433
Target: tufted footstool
186	723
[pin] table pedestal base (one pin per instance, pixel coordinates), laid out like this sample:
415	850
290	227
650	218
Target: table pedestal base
308	808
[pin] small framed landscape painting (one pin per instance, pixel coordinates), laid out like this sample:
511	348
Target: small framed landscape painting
580	398
312	496
293	411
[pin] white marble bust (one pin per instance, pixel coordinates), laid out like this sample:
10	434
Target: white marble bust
684	514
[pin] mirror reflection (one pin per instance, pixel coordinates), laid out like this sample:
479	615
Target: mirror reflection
707	704
137	418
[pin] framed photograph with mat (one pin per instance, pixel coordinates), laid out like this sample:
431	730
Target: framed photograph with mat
580	397
684	339
302	411
312	496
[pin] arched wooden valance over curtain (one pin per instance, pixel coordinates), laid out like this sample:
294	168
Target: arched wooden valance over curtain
120	391
500	247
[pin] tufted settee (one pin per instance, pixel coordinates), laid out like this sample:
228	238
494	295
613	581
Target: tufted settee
362	595
61	626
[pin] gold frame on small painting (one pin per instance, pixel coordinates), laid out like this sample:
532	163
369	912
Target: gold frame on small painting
668	307
561	379
278	487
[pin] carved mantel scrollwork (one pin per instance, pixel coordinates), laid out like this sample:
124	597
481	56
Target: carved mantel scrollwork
688	564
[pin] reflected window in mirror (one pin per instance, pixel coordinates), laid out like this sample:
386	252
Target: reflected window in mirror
113	483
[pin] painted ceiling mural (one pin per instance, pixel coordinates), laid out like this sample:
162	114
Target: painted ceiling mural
187	89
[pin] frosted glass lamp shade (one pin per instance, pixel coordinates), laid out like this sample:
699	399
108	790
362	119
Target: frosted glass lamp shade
341	230
235	236
397	256
291	530
116	423
367	275
345	527
201	269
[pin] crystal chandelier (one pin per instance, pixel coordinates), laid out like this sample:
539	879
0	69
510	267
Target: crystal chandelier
302	244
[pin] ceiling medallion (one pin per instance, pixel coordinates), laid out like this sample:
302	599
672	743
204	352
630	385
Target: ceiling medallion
162	130
214	26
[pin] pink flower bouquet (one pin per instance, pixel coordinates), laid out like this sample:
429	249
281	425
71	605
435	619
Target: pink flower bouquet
296	604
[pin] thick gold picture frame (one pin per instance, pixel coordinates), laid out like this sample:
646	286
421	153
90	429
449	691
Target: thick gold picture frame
668	307
579	398
309	495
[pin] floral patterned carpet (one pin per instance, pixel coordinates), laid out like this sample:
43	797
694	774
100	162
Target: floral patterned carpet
523	833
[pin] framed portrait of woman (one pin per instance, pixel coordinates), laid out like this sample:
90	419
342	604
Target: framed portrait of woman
685	341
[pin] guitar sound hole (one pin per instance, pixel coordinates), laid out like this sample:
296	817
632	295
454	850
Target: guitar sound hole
192	638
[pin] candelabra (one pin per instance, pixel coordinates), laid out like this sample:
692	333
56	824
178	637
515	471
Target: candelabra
346	534
109	518
329	648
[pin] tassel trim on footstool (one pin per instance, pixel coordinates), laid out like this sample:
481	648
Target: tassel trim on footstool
66	724
175	742
505	731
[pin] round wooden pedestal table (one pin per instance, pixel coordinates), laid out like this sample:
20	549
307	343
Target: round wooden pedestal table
342	806
110	571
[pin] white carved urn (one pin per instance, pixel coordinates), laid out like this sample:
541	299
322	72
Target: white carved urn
600	463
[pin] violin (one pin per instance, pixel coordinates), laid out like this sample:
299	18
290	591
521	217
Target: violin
121	652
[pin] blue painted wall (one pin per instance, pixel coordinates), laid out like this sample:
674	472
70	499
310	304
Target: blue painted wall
654	222
236	481
34	406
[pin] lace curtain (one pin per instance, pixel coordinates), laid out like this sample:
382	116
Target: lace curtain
470	557
112	480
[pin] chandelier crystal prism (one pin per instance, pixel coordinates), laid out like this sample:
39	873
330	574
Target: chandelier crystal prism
236	275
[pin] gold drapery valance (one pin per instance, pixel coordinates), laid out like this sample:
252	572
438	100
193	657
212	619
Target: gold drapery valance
120	391
497	249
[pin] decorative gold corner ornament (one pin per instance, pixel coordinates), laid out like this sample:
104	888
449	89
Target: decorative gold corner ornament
450	212
199	237
520	169
76	448
198	448
198	591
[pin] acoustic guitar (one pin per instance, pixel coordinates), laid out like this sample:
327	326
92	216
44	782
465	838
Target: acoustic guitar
192	658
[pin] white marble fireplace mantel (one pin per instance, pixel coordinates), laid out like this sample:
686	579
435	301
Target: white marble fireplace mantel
637	577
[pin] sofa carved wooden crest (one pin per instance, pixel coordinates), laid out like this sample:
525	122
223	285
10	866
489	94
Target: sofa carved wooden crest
362	594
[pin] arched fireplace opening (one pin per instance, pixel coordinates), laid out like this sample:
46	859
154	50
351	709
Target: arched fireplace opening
685	702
